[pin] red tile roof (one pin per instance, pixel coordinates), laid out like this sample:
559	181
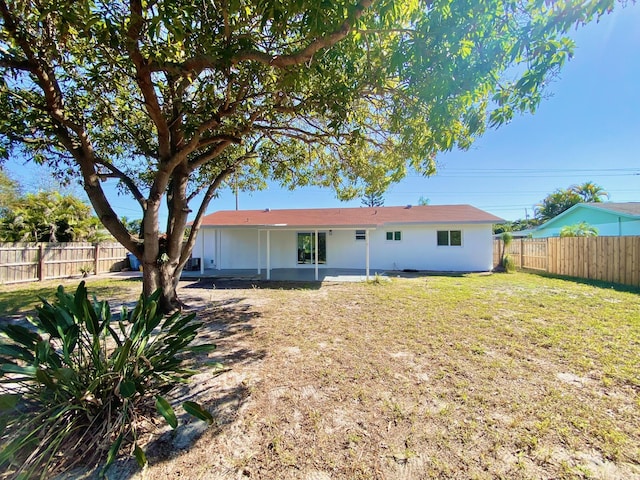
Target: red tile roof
350	217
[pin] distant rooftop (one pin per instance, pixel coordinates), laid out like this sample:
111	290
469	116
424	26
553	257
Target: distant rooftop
356	217
629	208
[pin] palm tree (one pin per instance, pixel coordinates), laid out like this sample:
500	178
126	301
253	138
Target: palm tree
590	192
582	229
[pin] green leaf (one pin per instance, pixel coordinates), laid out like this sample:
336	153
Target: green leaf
21	335
127	389
166	411
111	456
66	375
123	355
44	378
194	409
140	456
80	298
16	351
29	370
8	401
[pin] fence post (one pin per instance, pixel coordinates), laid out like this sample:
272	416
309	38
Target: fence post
96	258
41	262
521	252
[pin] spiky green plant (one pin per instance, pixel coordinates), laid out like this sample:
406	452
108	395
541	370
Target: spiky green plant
76	386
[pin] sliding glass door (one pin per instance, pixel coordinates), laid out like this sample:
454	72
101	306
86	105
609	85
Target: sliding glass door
307	247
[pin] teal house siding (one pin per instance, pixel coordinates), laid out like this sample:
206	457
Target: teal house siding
611	219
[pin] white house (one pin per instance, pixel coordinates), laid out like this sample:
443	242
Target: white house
436	238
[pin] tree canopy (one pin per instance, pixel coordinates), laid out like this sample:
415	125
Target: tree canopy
9	192
50	217
590	192
171	98
563	199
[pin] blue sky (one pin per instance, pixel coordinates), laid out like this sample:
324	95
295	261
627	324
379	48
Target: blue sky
588	130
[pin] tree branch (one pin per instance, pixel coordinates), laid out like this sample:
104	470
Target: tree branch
144	81
203	62
128	181
197	222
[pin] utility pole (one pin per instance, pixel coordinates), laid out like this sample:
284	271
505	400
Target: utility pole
235	181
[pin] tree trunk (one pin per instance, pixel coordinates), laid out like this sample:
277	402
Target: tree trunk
164	277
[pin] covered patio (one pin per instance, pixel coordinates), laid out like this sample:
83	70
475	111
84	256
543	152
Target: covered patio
286	274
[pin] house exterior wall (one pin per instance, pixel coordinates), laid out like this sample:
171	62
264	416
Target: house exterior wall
608	223
237	248
418	249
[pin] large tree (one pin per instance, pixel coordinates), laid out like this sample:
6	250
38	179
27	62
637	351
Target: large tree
171	98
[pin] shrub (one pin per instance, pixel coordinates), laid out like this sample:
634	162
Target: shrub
77	387
508	264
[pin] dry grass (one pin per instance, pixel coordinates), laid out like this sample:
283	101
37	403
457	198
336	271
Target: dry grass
501	376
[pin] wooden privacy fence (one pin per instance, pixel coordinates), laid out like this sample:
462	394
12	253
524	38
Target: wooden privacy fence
31	262
611	259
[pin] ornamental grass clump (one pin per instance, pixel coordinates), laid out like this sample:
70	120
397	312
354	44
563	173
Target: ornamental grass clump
76	389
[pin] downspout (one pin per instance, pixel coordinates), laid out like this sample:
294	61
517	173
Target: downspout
619	226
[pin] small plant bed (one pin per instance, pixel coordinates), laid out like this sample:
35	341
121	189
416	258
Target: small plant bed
79	387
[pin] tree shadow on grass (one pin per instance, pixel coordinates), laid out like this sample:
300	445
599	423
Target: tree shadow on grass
618	287
229	324
248	284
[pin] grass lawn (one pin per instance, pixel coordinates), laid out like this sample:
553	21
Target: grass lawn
21	298
470	377
478	376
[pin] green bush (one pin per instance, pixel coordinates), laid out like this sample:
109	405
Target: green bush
508	264
76	387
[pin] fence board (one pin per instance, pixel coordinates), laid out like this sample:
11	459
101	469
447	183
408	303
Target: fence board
28	262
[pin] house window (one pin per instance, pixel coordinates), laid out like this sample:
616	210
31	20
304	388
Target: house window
451	238
394	236
307	247
361	234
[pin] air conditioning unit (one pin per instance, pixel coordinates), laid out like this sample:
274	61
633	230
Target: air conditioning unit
193	264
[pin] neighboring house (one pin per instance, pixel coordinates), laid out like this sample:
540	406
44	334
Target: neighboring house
440	238
611	219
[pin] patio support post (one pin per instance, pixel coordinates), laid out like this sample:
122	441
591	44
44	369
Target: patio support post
316	253
366	241
202	252
268	254
218	250
259	252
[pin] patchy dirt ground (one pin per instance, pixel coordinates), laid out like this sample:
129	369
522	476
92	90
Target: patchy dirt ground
437	377
483	377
